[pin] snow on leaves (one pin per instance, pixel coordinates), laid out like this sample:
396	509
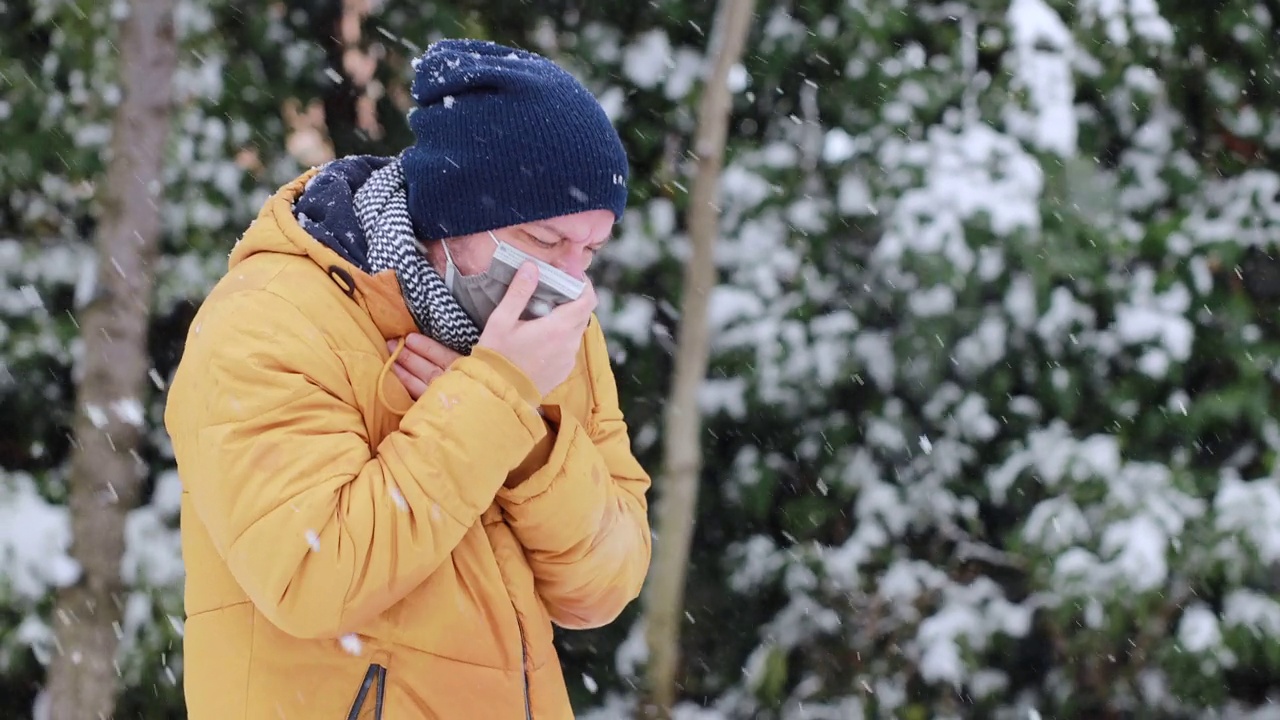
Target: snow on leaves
979	360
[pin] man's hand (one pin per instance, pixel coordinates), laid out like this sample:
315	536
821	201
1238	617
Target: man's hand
545	349
421	361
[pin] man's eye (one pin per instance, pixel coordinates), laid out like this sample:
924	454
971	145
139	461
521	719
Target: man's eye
545	244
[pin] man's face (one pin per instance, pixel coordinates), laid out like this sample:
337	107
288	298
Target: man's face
567	242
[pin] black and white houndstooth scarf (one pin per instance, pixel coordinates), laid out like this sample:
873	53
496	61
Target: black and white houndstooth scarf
382	206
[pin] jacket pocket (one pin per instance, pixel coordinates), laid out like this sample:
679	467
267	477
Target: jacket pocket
376	675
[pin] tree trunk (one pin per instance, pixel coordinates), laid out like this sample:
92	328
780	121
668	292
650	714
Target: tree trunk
682	464
106	472
340	96
350	113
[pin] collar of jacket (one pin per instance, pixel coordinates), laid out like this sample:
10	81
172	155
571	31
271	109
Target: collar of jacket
276	230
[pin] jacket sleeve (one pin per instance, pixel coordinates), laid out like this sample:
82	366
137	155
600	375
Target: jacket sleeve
321	531
582	516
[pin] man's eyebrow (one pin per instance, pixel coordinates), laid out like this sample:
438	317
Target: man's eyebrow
559	235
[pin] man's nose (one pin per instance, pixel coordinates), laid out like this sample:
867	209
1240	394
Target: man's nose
574	260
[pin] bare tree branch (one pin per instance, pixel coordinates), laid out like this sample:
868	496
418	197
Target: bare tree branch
664	596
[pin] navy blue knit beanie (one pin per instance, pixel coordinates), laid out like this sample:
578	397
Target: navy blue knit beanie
505	137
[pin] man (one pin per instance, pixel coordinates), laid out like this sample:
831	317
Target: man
394	479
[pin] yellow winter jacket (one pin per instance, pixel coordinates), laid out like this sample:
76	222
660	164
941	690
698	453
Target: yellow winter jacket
351	553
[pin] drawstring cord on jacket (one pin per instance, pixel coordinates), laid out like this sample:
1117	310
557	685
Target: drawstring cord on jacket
382	377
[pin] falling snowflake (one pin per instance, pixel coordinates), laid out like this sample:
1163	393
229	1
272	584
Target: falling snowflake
97	416
398	499
313	539
351	643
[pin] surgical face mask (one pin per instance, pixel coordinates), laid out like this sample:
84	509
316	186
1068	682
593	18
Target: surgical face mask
480	294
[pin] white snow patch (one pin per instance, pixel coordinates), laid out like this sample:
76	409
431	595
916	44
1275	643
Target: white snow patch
875	350
1156	317
973	172
633	651
35	538
1139	545
975	612
153	550
1198	629
645	61
1043	50
1249	509
1253	610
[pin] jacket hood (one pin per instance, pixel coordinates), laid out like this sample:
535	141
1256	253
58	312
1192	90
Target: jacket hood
327	207
278	230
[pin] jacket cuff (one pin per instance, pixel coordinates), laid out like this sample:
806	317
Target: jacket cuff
507	370
540	455
550	477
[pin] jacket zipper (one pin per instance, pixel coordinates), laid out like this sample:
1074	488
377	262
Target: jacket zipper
375	673
524	666
382	691
524	650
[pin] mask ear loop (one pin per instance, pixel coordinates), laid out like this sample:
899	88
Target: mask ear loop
451	267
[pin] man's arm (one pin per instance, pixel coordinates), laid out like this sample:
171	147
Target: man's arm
321	531
581	514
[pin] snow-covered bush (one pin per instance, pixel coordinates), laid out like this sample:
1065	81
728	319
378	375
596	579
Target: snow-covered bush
990	413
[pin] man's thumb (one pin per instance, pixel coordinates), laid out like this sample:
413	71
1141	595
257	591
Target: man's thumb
518	293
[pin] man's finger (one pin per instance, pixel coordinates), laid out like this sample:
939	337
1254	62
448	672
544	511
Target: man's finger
430	349
517	297
578	312
588	296
418	366
413	385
